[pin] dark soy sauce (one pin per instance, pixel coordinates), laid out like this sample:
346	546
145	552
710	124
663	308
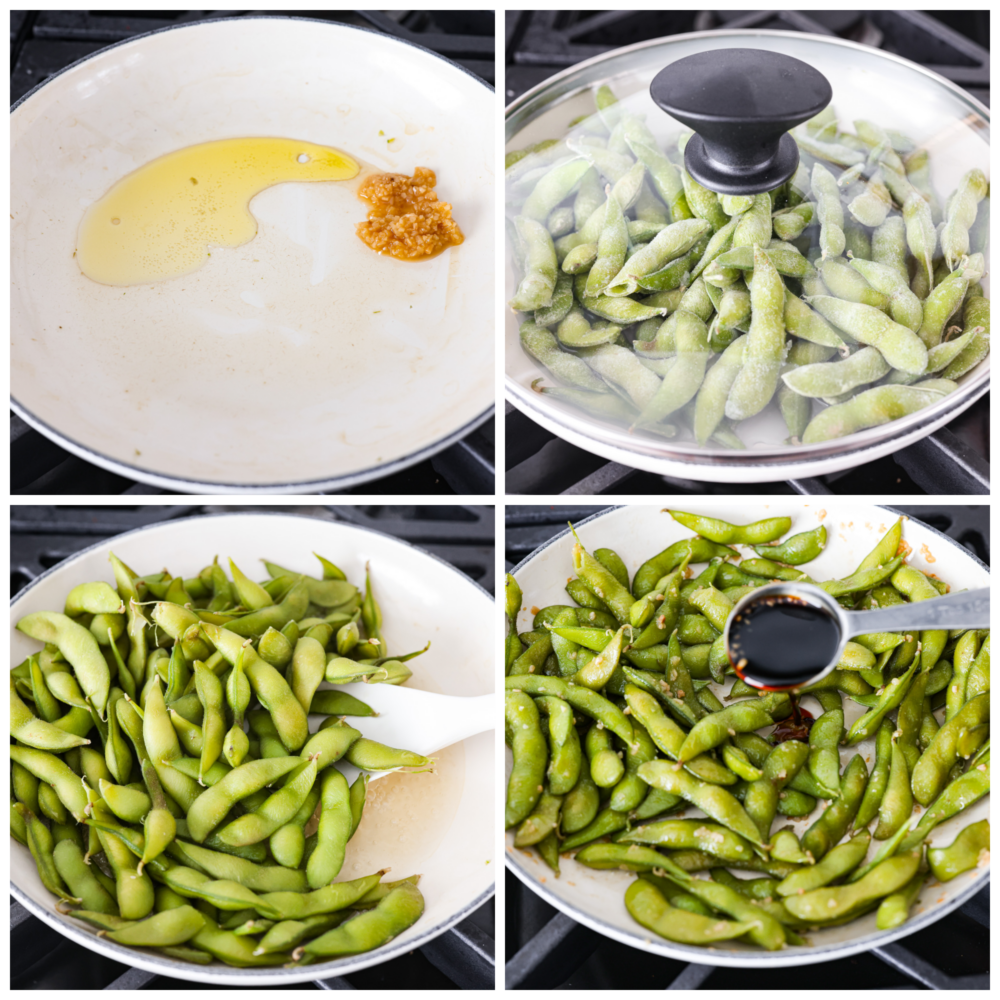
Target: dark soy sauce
795	727
782	642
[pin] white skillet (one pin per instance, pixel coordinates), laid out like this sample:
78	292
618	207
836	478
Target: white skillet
596	898
440	824
302	361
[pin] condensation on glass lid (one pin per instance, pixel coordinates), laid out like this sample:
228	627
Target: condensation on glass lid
160	221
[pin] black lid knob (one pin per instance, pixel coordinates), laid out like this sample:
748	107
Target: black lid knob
741	103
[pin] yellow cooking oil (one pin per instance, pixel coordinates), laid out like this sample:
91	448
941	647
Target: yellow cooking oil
162	220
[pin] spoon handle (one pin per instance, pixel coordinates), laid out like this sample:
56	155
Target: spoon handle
476	715
964	609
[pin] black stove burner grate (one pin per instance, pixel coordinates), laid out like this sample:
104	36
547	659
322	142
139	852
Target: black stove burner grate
462	535
39	467
953	460
545	949
40	537
45	42
539	43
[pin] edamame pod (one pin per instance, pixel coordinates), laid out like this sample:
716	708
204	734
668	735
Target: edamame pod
399	910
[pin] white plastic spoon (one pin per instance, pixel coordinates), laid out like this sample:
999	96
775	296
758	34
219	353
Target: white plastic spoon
415	720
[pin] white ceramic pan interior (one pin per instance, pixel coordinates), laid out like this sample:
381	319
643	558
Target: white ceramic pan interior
440	824
596	898
302	358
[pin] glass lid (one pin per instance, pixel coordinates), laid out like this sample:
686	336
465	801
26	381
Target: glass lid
646	312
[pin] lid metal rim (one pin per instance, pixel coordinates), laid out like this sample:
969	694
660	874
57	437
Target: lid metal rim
923	422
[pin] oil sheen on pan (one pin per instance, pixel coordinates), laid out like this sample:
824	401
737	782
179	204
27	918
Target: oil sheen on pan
161	220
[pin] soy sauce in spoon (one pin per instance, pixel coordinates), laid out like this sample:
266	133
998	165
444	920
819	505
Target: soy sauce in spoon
782	641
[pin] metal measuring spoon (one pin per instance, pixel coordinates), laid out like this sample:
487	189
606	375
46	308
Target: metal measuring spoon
833	626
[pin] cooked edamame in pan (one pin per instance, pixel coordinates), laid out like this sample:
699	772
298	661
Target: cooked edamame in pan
653	727
702	301
154	815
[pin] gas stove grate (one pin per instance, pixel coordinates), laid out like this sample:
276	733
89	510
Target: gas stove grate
462	535
43	42
540	42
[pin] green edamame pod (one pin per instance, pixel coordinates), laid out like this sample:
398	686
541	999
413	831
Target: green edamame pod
897	802
308	669
78	646
566	755
875	789
358	793
537	285
968	850
41	844
824	739
79	877
52	770
28	729
171	927
690	833
959	794
648	907
211	806
798	549
334	830
270	687
543	820
47	706
931	772
258	877
530	756
400	908
831	826
631	790
277	810
580	804
372	756
713	800
895	908
606	767
742	717
763	796
830	903
961	214
767	932
722	532
275	648
338	703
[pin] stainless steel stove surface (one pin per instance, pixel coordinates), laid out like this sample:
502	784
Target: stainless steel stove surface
545	949
955	459
462	958
45	42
